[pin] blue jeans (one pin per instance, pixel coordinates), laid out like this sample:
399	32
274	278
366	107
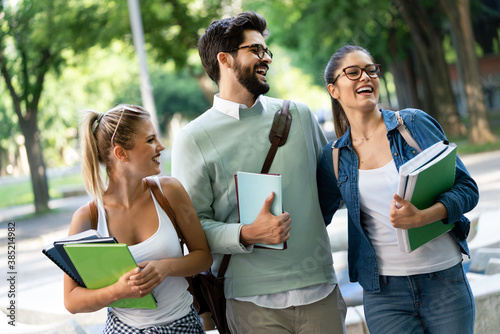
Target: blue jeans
439	302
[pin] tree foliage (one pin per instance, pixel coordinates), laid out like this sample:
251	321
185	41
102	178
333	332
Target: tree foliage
314	29
406	37
172	27
33	37
37	38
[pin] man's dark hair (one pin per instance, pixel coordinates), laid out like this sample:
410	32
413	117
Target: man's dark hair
225	36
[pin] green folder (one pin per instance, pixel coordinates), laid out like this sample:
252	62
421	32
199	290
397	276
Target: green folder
423	186
101	265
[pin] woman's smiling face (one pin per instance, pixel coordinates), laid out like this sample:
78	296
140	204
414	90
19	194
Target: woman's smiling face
360	94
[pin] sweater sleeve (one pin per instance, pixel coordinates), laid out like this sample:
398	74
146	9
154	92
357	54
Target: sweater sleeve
190	168
318	136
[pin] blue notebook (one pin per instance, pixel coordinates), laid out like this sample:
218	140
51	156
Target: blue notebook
252	189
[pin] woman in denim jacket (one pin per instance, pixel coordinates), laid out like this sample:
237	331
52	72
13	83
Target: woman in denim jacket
422	291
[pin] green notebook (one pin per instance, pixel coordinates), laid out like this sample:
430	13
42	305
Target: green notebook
432	176
101	265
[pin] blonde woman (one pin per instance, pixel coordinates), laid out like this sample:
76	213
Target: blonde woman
124	141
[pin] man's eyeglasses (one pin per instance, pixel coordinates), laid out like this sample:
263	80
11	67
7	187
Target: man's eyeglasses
354	72
258	49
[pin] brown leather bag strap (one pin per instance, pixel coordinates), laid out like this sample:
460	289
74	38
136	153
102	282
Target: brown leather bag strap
223	265
94	214
162	200
278	134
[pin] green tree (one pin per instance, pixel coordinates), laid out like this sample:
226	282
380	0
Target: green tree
313	30
174	92
459	15
33	36
36	36
424	19
8	133
172	29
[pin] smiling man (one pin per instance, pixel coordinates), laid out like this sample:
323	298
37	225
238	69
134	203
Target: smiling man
268	291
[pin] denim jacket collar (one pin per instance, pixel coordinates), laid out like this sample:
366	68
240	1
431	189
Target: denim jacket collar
390	122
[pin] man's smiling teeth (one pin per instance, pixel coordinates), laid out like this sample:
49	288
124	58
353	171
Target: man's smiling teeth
261	70
365	90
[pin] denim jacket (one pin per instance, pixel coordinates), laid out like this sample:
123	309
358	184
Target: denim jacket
461	198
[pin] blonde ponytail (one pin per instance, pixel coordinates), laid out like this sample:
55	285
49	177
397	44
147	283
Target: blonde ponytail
91	172
97	132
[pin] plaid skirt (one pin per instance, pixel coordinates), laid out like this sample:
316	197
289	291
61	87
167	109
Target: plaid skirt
189	324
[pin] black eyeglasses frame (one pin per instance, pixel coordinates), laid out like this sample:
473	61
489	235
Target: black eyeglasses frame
260	50
360	73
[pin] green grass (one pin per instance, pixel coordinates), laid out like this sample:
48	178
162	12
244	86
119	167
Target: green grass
465	147
16	194
21	193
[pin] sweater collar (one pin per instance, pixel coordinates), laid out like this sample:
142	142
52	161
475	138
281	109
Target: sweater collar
237	110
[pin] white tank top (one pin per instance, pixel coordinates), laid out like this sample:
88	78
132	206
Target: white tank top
174	301
376	188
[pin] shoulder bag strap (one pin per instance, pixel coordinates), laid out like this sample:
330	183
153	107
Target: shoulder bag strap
94	214
335	158
278	134
162	200
405	133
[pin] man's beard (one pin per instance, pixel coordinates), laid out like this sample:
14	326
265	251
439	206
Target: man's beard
248	78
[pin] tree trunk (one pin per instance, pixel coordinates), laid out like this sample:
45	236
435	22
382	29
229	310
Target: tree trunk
467	65
29	128
406	87
428	45
31	134
383	80
403	72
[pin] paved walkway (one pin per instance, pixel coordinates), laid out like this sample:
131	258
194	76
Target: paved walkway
38	282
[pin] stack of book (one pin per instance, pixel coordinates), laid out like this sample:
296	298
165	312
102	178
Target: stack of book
422	180
95	262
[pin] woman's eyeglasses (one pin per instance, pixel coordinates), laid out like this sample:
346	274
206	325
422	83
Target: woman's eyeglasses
354	72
